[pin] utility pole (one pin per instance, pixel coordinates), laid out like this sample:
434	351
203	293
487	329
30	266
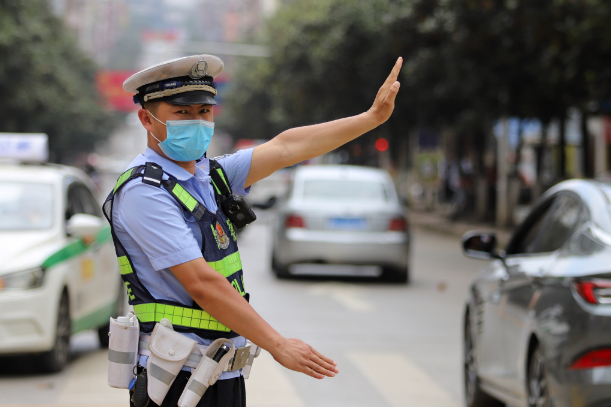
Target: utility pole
501	175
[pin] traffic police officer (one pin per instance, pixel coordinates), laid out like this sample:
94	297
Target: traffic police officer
176	247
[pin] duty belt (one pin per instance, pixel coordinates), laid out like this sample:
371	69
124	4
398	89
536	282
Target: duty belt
241	359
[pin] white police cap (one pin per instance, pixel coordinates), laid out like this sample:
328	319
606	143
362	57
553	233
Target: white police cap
181	81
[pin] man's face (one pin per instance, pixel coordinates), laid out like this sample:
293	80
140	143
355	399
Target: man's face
165	111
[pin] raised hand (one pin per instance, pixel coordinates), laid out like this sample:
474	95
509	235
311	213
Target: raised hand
297	355
384	104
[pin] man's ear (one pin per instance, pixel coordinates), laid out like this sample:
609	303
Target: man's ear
145	119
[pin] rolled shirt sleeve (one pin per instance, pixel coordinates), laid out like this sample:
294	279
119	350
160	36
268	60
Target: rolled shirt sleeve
155	222
237	167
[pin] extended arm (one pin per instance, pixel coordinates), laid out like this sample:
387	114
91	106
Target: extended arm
213	293
303	143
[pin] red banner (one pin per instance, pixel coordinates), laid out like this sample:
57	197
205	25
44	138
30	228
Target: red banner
110	87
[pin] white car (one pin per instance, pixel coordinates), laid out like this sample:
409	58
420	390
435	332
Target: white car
342	215
58	269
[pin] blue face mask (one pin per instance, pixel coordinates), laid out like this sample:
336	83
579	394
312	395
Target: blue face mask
187	140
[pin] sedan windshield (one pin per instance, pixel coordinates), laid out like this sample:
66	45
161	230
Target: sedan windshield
25	206
344	190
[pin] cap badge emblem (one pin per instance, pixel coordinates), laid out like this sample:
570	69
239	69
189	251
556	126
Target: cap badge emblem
199	69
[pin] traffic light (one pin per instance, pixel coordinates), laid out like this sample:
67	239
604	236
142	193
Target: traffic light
381	144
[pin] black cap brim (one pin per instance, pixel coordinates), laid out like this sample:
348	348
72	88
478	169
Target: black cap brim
196	97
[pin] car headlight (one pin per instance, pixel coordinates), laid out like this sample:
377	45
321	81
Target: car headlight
22	280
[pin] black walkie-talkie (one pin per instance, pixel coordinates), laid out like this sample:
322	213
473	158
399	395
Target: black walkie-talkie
235	208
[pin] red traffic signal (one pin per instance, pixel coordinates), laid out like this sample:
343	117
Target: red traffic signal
381	144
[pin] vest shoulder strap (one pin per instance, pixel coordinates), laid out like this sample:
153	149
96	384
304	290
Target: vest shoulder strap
186	200
153	175
128	175
219	179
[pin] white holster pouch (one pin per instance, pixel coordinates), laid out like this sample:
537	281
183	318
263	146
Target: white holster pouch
169	351
206	374
122	351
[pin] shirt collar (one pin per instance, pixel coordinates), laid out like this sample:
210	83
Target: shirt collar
168	166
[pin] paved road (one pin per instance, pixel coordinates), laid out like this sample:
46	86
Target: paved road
395	345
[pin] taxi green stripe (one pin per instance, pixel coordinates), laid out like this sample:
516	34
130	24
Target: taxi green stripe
74	249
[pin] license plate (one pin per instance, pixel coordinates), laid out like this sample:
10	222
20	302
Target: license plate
346	224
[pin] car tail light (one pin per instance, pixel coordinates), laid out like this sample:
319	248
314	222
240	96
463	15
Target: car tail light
595	358
594	291
294	221
398	224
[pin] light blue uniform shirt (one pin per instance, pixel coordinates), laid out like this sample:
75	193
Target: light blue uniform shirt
157	235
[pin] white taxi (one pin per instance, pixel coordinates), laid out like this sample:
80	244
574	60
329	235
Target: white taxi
58	270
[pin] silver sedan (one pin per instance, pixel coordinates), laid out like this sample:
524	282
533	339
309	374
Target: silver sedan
342	215
537	328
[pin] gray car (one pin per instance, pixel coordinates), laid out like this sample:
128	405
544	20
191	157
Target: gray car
342	215
537	327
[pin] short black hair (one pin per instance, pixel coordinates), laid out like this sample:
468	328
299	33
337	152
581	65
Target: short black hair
152	106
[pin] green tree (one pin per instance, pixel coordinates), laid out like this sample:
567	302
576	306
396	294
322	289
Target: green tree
467	62
46	82
324	65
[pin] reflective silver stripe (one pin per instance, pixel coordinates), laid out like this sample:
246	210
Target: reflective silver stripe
197	387
161	374
124	358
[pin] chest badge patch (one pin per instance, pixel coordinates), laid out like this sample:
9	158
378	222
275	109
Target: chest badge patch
222	241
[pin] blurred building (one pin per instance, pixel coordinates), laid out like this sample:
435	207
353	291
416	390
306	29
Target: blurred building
97	24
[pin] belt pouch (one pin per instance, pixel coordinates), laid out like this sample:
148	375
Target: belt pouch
169	351
122	353
255	351
206	374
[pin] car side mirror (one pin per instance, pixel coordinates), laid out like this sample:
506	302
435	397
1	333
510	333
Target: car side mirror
271	202
480	245
83	225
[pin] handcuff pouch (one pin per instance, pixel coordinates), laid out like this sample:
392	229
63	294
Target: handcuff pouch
122	352
255	351
206	374
169	351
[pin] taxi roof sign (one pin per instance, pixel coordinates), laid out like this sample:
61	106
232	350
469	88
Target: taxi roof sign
26	147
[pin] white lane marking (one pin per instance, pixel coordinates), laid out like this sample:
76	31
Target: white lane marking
400	381
348	295
87	383
268	386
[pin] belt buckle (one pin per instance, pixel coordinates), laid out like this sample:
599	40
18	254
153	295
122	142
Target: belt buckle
240	359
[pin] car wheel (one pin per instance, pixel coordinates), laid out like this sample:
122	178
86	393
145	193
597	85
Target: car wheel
395	275
279	270
55	359
119	310
474	395
538	395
